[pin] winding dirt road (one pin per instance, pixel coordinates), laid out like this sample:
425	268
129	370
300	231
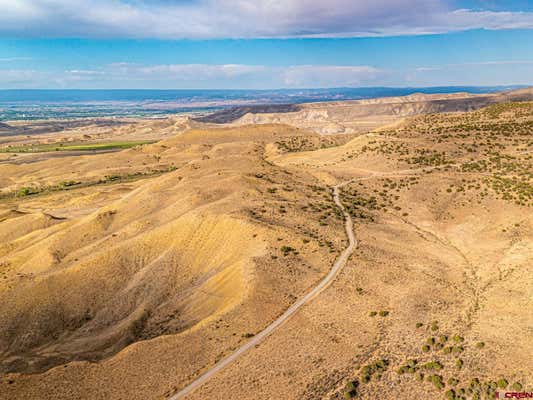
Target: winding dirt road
257	339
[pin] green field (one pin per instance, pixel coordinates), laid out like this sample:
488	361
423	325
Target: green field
44	148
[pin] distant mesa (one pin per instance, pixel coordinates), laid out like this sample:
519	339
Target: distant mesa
4	127
356	110
234	113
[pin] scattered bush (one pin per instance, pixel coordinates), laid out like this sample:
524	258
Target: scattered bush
286	250
376	369
458	338
432	365
437	381
458	349
453	381
350	390
450	394
27	191
502	383
65	184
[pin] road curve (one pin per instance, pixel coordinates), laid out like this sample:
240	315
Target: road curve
324	283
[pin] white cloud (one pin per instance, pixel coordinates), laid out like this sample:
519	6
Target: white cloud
119	75
13	59
241	76
199	71
476	73
474	64
329	75
244	18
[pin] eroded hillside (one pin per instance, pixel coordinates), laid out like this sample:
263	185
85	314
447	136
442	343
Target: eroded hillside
198	244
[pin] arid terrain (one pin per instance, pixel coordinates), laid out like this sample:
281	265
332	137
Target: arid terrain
137	254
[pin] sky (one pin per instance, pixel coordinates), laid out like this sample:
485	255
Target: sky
264	44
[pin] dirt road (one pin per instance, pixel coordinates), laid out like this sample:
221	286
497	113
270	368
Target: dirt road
257	339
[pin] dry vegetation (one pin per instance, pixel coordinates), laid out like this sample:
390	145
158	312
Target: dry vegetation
127	274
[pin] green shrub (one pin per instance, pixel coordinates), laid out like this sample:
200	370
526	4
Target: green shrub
383	313
437	381
350	390
459	363
419	325
376	369
517	386
382	364
27	191
502	383
286	250
65	184
480	345
432	365
474	383
349	395
112	178
426	348
458	349
450	394
453	381
373	313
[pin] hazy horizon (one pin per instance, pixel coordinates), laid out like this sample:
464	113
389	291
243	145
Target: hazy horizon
31	104
274	89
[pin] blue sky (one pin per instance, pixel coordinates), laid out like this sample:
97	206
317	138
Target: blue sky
177	44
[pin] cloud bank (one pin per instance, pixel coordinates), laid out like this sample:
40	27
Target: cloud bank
125	75
242	76
213	19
